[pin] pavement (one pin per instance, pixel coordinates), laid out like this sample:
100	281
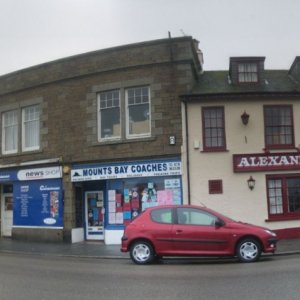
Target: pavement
92	249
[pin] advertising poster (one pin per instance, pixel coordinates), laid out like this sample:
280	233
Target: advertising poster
38	203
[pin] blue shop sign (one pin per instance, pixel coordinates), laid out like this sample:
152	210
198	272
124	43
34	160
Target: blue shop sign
38	196
7	176
126	170
38	203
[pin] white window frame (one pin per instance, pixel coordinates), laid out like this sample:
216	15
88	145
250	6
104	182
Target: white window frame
15	131
146	134
99	109
25	122
248	72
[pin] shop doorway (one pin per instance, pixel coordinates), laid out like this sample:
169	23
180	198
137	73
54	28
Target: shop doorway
7	205
94	215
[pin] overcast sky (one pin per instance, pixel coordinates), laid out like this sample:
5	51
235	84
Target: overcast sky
38	31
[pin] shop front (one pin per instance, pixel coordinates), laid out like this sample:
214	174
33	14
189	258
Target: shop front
31	202
113	194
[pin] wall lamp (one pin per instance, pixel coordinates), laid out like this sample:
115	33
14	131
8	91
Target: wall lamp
251	183
245	118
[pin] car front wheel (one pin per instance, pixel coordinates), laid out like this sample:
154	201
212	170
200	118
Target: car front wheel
248	250
142	252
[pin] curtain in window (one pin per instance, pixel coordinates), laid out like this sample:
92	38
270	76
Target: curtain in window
31	129
10	131
278	125
247	72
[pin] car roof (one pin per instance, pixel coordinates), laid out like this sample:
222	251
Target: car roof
177	206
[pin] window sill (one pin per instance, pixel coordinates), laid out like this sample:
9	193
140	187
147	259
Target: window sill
17	154
291	148
283	218
214	150
123	141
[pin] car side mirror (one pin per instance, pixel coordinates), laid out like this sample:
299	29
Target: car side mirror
219	223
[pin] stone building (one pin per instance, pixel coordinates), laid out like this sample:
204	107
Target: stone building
89	141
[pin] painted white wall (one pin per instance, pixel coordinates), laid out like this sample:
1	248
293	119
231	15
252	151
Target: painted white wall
237	200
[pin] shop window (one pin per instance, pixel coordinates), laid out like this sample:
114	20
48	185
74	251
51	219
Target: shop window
129	197
279	129
138	112
109	115
215	186
10	132
284	197
31	128
247	73
213	129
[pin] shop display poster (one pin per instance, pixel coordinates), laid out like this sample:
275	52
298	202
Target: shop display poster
38	203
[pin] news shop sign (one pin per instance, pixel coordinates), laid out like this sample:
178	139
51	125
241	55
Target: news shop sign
38	203
40	173
30	174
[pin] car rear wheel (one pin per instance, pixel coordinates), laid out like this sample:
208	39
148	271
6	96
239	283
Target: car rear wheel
248	250
142	252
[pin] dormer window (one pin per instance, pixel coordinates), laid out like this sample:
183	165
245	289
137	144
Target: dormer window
247	72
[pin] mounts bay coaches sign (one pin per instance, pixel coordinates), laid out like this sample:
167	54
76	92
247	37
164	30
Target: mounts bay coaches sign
266	162
130	170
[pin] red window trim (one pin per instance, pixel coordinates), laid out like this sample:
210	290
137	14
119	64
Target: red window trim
285	216
280	146
213	149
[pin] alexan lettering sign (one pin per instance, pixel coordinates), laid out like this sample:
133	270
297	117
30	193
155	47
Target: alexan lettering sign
266	162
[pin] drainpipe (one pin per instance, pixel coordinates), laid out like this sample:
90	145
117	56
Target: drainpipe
187	151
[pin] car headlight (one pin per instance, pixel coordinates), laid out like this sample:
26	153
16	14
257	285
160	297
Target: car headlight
270	232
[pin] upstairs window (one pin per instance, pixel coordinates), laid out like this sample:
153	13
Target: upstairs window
247	72
10	132
213	129
31	128
138	112
279	129
24	131
109	115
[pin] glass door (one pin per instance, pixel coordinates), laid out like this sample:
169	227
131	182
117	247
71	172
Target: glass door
94	215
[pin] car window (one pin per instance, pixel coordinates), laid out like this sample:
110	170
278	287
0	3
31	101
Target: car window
193	216
163	215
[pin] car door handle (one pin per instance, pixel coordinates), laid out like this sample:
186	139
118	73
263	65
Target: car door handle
178	231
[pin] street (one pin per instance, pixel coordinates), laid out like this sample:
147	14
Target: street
50	277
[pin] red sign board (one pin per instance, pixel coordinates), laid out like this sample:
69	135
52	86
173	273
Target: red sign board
266	162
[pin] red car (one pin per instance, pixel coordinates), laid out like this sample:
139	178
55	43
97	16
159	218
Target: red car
185	230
